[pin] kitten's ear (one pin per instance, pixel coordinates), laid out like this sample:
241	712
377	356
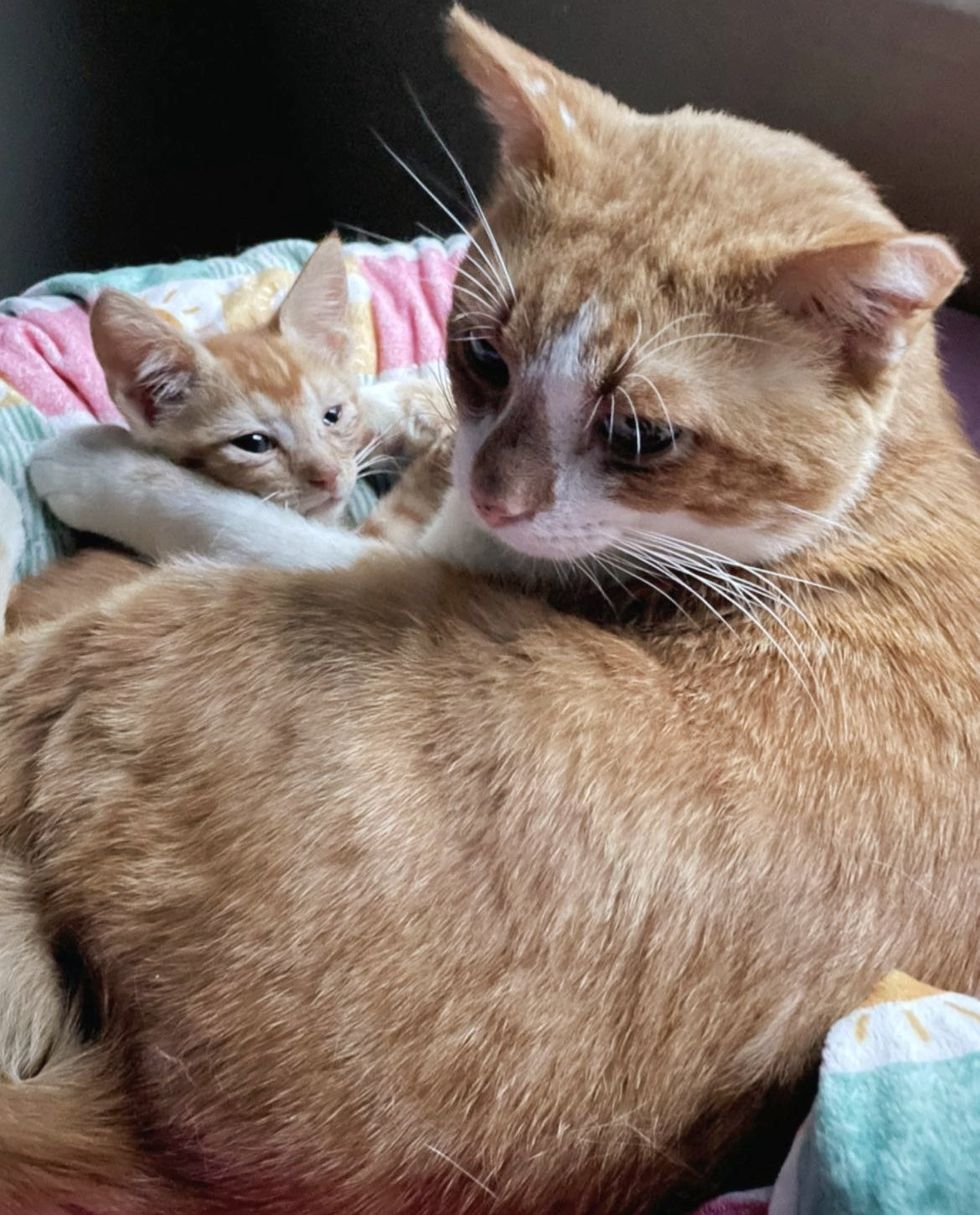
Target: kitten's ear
875	295
149	365
314	312
537	108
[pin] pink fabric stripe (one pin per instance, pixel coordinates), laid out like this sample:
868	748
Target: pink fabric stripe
411	297
47	356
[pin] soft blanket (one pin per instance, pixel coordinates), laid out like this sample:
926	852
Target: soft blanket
895	1128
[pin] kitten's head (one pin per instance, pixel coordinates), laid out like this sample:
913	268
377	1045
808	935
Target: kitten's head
271	411
684	326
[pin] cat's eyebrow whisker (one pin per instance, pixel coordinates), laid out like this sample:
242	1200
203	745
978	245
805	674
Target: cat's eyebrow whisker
479	288
470	192
695	337
636	419
678	320
637	375
629	349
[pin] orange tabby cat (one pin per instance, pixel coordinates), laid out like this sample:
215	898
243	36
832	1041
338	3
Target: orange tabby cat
394	889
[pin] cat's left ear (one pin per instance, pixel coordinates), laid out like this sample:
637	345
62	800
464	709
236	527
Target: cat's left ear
872	296
314	312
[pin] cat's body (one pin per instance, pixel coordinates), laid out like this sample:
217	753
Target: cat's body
399	890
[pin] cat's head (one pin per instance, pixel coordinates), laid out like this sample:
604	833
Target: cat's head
685	326
271	410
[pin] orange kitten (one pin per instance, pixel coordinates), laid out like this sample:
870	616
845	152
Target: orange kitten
275	411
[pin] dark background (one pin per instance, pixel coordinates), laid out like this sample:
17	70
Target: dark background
144	130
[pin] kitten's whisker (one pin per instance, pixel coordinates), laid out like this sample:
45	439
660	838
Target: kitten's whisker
387	240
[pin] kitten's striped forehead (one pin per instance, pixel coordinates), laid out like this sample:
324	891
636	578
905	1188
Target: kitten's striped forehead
267	367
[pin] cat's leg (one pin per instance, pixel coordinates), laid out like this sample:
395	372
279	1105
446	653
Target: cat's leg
36	1022
11	544
402	516
97	479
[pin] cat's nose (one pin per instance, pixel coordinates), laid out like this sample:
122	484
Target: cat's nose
497	513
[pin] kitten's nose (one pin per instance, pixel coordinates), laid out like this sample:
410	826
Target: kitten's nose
496	513
321	479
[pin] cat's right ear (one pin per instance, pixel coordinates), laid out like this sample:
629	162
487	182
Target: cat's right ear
314	312
149	365
540	111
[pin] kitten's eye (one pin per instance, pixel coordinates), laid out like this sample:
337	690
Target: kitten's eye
332	416
486	362
629	437
255	444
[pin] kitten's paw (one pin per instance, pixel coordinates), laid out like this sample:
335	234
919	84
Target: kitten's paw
88	475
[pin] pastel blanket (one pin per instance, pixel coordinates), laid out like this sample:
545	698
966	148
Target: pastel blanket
895	1128
49	377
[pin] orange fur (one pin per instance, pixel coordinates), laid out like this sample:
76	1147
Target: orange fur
408	892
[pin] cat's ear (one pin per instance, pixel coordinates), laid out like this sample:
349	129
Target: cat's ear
150	366
538	109
314	312
873	296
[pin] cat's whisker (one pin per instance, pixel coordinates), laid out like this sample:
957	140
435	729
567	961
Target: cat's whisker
761	586
478	289
826	520
470	192
669	570
447	211
734	593
690	546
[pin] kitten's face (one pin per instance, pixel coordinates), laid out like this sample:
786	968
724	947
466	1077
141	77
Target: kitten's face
272	411
262	418
692	332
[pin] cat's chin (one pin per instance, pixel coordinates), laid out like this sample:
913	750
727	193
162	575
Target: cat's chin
540	545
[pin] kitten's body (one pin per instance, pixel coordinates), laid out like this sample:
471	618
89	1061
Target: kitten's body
402	891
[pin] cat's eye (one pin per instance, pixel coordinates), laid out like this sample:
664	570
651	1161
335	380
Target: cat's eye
629	437
332	416
485	361
255	444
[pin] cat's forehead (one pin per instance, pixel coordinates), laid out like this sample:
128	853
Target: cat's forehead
686	199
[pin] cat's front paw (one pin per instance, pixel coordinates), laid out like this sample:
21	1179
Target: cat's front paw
90	475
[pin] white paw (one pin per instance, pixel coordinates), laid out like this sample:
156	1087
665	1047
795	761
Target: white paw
89	475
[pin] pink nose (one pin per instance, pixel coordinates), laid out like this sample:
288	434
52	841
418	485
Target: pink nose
322	480
496	513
